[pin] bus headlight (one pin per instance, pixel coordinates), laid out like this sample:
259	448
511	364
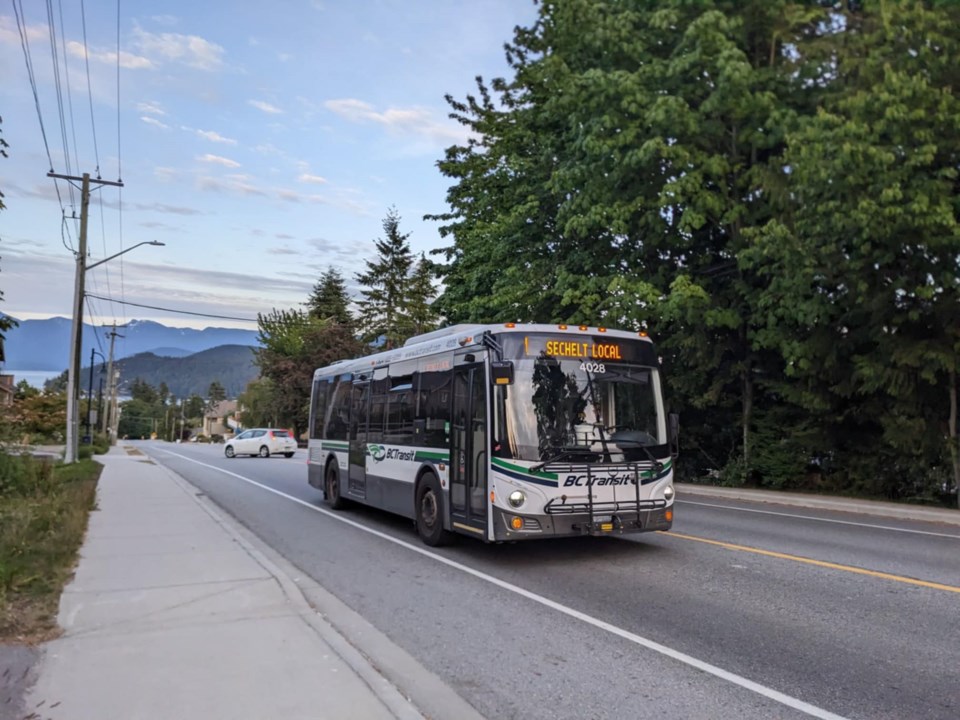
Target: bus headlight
668	493
517	498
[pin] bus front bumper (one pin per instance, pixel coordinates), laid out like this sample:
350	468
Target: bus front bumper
572	525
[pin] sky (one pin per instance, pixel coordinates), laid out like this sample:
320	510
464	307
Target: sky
261	143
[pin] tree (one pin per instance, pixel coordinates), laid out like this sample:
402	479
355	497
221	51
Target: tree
614	177
144	392
383	304
294	344
258	404
864	268
215	395
329	299
420	314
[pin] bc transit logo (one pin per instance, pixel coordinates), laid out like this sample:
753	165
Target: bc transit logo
377	452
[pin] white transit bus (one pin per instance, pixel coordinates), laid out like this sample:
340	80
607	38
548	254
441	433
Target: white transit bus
500	432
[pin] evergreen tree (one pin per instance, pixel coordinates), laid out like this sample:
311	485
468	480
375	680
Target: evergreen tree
215	395
420	294
383	300
329	299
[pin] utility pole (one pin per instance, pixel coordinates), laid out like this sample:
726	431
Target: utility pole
76	337
115	408
110	383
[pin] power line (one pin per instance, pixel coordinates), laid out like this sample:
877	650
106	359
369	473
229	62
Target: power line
119	154
181	312
66	73
55	57
25	45
86	55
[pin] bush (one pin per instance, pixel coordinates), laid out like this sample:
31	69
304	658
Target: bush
85	452
43	516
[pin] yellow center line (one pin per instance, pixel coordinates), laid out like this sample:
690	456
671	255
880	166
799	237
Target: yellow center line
818	563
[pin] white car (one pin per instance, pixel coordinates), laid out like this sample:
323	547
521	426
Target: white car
261	441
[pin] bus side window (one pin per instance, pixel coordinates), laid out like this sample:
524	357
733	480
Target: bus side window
433	408
338	410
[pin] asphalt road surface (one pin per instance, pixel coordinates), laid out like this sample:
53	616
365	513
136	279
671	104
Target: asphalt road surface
742	611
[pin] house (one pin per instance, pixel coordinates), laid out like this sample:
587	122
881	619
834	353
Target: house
219	419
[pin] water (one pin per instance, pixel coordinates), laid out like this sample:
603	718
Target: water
36	378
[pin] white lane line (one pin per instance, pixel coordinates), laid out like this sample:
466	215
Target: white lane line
820	519
739	680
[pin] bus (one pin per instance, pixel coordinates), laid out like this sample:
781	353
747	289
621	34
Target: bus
500	432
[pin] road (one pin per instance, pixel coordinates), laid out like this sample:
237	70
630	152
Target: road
741	611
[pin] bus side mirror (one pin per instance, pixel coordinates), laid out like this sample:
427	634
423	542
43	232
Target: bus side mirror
501	372
673	420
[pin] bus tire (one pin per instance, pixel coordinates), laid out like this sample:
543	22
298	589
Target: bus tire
430	512
331	488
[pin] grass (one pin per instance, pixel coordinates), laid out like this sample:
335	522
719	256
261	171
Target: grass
44	509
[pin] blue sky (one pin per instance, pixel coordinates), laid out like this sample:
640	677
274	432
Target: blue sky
260	142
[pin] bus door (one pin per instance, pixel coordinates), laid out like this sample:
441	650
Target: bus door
469	449
359	406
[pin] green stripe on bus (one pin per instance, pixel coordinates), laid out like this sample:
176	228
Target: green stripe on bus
424	455
326	445
522	470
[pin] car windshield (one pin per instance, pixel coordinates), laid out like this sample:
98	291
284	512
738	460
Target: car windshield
611	409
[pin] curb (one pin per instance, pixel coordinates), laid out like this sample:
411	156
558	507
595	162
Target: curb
408	689
877	508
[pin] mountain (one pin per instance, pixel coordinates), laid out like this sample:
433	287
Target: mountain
45	344
230	365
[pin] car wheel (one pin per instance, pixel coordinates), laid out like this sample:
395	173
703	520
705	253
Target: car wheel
229	451
430	513
331	486
288	454
264	451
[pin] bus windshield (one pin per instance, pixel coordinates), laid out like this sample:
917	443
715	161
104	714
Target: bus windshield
610	409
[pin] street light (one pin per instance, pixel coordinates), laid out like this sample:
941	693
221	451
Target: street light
73	370
145	242
93	351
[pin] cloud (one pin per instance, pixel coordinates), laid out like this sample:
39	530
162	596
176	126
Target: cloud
165	174
218	185
9	35
282	251
151	108
265	107
415	121
283	236
190	50
315	179
289	196
155	225
163	208
218	160
165	19
212	136
128	61
154	122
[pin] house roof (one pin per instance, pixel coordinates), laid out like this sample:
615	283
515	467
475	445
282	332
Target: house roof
222	409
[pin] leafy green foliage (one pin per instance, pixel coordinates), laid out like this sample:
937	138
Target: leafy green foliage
769	186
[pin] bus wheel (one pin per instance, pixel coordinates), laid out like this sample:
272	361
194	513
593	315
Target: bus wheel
430	513
331	487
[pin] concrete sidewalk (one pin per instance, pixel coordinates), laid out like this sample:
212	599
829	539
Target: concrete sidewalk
902	511
174	613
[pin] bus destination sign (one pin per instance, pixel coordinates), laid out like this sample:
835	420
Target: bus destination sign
576	349
579	347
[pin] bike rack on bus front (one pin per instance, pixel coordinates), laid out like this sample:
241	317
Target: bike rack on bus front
613	508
